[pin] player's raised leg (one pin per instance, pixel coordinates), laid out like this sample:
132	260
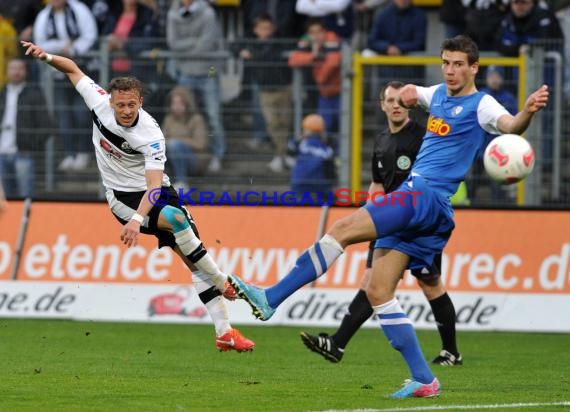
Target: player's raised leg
180	223
387	268
367	223
309	266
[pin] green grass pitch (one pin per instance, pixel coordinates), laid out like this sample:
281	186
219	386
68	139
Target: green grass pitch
89	366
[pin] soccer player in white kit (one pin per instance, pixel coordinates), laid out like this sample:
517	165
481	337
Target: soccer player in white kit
130	152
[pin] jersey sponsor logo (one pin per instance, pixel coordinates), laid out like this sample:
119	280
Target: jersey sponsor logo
109	149
157	151
125	147
99	89
404	162
112	138
437	125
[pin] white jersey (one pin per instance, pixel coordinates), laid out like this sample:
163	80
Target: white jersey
123	153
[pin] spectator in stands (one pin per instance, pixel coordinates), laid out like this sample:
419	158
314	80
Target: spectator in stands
320	49
186	135
483	19
132	28
289	24
267	71
495	86
8	45
452	15
100	10
162	7
526	22
26	125
67	27
397	30
193	32
338	15
22	14
314	166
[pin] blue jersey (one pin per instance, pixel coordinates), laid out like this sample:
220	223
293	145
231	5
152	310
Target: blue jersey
417	218
455	133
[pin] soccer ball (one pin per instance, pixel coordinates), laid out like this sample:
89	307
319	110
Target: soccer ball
508	159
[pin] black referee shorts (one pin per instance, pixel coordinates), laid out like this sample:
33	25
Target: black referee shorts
125	204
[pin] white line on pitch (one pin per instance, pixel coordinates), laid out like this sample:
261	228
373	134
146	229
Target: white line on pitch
457	407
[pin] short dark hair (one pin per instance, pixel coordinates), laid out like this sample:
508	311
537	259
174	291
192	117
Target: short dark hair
315	21
263	17
394	84
463	44
125	83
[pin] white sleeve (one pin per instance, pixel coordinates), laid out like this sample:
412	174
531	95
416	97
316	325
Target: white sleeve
93	94
154	155
425	94
150	142
488	112
320	8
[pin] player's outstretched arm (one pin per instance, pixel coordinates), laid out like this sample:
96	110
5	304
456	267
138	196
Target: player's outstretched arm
519	123
408	96
63	64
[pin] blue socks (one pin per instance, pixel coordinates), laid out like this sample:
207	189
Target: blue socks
400	333
309	266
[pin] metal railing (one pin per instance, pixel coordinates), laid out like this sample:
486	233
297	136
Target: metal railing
352	122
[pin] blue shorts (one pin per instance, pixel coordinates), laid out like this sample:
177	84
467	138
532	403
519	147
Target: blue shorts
413	219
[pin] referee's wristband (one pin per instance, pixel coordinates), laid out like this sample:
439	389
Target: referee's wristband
138	218
49	58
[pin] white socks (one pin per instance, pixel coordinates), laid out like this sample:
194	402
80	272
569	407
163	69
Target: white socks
215	306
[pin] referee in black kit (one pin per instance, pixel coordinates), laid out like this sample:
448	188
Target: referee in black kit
395	150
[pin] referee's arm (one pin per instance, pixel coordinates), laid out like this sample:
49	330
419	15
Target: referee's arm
63	64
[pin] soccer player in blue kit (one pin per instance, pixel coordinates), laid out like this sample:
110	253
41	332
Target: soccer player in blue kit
414	222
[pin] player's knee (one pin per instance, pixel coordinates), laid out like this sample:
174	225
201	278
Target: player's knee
432	288
175	217
377	294
343	231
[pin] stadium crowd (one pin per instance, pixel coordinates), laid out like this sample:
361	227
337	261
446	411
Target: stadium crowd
180	48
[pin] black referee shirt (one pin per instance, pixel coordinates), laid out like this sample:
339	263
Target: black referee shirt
395	153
